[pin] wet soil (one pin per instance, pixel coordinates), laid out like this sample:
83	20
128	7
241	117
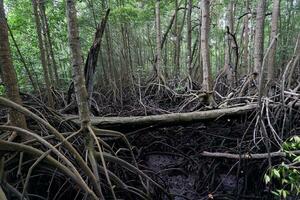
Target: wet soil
172	155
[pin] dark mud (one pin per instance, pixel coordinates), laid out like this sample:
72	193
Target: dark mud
172	155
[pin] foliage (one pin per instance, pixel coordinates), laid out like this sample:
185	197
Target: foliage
138	17
286	176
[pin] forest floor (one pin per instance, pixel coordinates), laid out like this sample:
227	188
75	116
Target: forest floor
171	154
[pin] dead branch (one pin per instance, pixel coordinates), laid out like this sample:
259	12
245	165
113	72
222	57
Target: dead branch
248	155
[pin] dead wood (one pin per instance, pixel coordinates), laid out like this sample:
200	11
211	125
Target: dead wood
247	156
166	119
91	61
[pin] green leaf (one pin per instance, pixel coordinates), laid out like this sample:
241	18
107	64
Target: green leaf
283	181
267	179
275	193
284	193
297	159
276	173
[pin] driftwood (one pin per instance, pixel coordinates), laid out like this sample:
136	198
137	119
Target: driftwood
166	119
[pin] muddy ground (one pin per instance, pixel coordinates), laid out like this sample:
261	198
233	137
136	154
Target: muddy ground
172	157
172	154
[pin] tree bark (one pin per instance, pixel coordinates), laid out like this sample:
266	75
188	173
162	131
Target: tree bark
199	70
259	36
189	43
248	156
125	60
167	119
8	73
177	42
274	30
228	65
245	66
49	41
42	54
77	63
165	35
92	57
205	26
158	68
81	91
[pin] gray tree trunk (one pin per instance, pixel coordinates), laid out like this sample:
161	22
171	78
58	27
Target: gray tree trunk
189	42
42	54
49	42
228	64
274	30
259	36
77	63
205	26
158	66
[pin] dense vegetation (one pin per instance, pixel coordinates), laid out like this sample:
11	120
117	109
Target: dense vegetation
149	99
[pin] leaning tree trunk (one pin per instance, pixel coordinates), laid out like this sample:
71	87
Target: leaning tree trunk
92	57
42	54
274	30
8	73
206	84
259	36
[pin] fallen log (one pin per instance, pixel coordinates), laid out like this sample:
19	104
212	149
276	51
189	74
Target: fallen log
166	119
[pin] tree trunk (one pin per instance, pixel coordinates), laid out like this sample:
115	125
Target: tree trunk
158	68
77	63
80	88
179	29
189	43
259	36
199	72
45	43
8	73
49	41
92	57
228	65
245	66
165	35
113	75
274	30
125	55
168	119
205	26
42	54
177	42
